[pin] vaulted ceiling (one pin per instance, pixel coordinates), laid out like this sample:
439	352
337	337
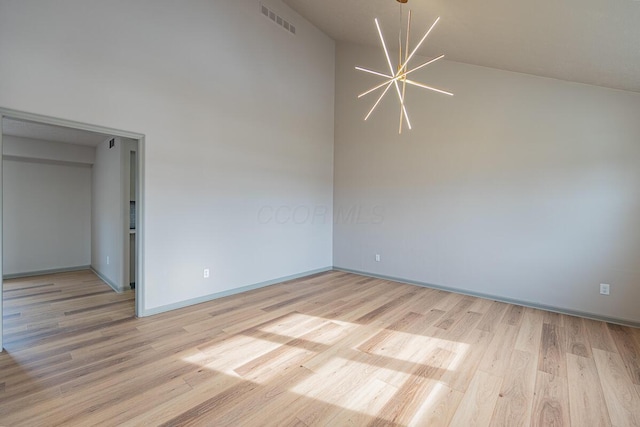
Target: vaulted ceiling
588	41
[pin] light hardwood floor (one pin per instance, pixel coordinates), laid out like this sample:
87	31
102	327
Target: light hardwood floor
332	349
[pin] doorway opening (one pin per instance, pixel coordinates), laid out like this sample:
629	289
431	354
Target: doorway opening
62	154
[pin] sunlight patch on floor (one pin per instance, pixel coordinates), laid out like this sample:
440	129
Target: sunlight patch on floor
231	352
330	384
438	392
350	378
394	346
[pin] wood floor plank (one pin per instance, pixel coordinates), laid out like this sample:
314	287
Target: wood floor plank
204	412
629	350
530	333
407	399
514	407
215	385
119	413
439	408
553	318
481	305
551	401
257	400
498	356
576	335
585	393
454	314
448	301
385	308
599	336
296	350
114	389
513	315
372	396
337	389
492	318
552	350
468	358
424	302
330	349
399	325
619	392
477	405
273	402
460	329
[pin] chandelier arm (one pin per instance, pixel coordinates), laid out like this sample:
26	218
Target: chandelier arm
420	44
400	38
394	78
406	50
395	74
388	82
384	46
406	116
411	82
420	66
403	70
378	101
366	70
404	90
401	98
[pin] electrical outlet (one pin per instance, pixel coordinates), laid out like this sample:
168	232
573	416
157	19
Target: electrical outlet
206	273
377	257
605	289
107	259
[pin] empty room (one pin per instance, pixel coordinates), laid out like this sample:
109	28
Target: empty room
321	213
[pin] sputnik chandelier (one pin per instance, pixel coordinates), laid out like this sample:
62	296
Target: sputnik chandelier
398	76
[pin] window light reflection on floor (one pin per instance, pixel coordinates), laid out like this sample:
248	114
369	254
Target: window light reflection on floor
375	376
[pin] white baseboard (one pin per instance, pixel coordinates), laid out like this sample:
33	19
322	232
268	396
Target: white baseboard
211	297
45	272
561	310
107	281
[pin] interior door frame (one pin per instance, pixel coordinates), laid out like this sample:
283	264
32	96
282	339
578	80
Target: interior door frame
140	201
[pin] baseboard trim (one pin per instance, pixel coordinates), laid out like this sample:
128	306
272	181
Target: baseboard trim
107	281
45	272
524	303
217	295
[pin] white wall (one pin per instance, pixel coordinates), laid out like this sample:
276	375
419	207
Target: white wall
47	206
237	114
107	226
518	186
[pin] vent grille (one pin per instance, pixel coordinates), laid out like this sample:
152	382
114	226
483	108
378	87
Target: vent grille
277	19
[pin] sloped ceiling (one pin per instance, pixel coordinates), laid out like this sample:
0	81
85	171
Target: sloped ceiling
588	41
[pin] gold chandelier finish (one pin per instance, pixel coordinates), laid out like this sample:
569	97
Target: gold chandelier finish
398	75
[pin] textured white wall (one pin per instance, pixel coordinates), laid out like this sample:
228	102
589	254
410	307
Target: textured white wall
46	216
237	114
519	187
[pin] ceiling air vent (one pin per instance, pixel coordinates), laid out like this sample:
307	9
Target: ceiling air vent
277	19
